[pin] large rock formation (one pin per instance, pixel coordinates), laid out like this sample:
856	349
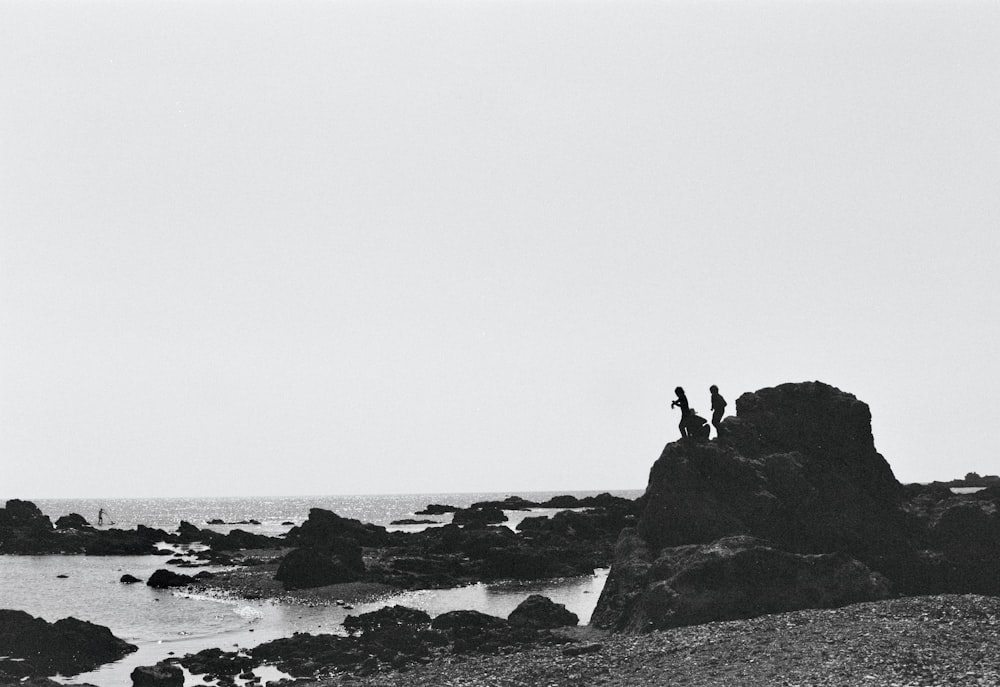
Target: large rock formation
793	508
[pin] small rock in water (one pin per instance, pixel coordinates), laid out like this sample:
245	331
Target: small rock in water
62	577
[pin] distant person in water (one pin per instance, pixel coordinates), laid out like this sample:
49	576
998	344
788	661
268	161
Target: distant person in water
718	408
682	402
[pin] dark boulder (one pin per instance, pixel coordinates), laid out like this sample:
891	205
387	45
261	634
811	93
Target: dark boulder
542	613
308	567
66	647
161	675
164	579
129	579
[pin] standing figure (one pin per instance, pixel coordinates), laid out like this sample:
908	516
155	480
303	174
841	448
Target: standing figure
718	408
682	402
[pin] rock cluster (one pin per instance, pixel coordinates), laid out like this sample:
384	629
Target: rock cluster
391	638
793	508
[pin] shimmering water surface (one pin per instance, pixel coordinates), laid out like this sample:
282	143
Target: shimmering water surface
163	623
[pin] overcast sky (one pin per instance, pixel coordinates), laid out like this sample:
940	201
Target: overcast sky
333	247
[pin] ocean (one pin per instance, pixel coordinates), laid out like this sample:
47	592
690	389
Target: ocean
173	623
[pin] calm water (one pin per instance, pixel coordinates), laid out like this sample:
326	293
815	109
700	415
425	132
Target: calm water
163	623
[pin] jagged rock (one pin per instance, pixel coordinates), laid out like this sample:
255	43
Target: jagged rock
189	534
308	567
163	579
323	526
797	467
68	646
542	613
161	675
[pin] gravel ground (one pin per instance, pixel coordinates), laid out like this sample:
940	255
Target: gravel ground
934	640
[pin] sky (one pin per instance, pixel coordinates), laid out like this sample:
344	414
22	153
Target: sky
400	246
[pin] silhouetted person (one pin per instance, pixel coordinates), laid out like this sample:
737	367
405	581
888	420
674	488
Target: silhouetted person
697	426
681	402
718	408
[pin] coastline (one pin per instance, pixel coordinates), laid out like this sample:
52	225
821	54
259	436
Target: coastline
926	640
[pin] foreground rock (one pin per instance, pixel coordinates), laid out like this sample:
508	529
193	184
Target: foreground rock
161	675
67	647
796	469
737	577
541	612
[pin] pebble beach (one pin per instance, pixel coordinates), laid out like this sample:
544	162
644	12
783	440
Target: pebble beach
925	641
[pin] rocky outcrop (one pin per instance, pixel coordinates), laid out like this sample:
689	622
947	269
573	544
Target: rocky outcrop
793	508
323	526
66	647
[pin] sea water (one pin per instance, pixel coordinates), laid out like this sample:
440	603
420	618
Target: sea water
164	623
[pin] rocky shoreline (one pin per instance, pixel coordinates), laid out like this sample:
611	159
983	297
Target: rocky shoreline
784	552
